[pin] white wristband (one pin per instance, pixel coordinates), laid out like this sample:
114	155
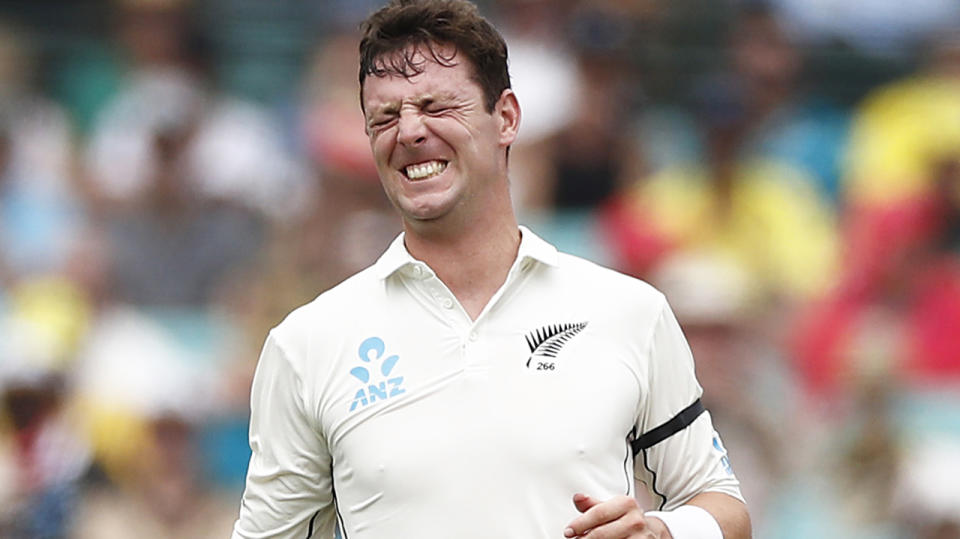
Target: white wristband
689	522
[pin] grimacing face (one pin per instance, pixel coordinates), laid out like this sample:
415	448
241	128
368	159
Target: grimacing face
436	148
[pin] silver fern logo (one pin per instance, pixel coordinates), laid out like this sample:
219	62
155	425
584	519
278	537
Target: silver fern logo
546	342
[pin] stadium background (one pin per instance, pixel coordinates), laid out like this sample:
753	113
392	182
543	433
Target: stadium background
175	176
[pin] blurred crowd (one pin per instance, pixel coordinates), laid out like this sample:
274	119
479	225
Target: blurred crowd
787	172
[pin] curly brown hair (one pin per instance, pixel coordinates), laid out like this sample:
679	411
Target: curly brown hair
393	35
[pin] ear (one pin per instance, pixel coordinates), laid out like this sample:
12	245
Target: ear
507	112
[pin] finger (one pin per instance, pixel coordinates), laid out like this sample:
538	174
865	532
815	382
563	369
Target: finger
583	502
632	523
599	514
625	526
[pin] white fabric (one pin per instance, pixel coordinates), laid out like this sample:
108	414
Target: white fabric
383	405
689	522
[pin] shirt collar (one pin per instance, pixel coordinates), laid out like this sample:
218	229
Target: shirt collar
394	258
532	247
536	248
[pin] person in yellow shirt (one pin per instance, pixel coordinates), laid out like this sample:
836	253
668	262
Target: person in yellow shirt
764	215
901	128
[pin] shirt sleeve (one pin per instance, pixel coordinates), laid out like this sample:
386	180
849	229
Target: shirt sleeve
288	491
684	456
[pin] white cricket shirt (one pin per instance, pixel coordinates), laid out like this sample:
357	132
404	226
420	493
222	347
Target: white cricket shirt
382	405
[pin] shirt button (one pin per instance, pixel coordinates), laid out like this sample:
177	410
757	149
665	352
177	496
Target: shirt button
447	303
417	271
474	336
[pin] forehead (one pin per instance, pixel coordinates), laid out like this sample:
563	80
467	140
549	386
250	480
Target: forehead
452	77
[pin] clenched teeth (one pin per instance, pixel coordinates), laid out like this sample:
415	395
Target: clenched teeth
425	170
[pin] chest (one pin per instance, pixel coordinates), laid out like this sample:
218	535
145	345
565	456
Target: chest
416	406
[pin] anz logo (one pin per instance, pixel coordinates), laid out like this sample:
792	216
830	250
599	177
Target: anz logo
384	384
546	342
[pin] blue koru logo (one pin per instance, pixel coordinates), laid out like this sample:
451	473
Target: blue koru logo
371	352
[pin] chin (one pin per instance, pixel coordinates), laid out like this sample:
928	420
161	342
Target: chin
427	210
424	217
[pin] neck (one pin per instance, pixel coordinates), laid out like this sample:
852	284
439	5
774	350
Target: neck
472	260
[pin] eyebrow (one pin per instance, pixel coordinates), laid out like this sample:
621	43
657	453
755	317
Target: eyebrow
393	107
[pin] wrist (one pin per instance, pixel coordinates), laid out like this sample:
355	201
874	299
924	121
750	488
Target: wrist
688	522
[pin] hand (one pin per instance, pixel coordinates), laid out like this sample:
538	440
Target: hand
619	517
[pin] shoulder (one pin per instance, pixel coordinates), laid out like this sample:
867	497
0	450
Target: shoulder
587	282
332	310
596	276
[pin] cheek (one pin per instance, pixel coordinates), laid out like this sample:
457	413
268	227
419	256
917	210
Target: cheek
381	147
452	130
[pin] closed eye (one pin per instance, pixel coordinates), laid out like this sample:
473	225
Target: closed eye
432	106
381	123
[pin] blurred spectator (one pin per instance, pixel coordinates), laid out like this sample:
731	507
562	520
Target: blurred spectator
39	128
583	154
331	124
543	68
588	155
149	383
186	178
845	466
763	214
43	452
785	123
173	248
900	128
900	263
885	335
780	119
547	82
231	151
163	496
39	215
177	359
869	454
900	294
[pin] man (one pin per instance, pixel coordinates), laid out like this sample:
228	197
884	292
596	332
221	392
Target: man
474	382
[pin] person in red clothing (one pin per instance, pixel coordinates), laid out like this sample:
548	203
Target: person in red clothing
897	307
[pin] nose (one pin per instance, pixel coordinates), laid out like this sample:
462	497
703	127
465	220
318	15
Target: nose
410	129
